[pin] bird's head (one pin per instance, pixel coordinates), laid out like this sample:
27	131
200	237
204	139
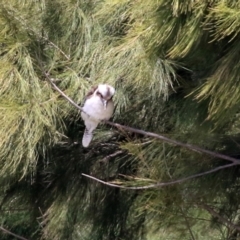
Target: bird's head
105	92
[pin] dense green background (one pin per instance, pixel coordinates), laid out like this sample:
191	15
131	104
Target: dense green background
176	69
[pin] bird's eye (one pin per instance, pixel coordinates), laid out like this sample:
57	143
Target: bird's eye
99	94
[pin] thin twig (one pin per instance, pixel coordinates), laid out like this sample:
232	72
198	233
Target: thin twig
20	20
234	161
161	184
13	234
62	93
150	134
59	90
187	223
220	218
59	49
105	159
175	142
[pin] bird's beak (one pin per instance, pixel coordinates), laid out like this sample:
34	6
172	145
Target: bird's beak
104	103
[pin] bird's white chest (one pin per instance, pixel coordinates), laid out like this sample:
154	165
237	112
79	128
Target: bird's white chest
96	110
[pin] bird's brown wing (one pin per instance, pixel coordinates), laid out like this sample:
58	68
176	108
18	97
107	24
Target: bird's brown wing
90	92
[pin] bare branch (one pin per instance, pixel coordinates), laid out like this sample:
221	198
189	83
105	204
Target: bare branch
59	49
62	93
22	21
187	223
220	218
175	142
157	136
151	134
105	159
162	184
59	90
13	234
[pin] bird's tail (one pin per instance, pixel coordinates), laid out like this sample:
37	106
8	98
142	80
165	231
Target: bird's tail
87	137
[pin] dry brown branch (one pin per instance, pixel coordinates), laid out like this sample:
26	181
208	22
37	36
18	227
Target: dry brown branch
26	26
13	234
61	92
150	134
161	184
105	159
219	217
187	223
175	142
59	49
157	136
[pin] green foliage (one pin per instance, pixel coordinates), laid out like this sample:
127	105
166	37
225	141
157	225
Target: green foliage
175	66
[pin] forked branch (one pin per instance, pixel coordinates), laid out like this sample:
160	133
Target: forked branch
161	184
191	147
13	234
150	134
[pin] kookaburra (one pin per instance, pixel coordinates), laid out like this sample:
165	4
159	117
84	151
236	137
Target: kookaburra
98	106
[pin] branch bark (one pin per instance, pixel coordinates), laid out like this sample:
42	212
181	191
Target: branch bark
219	217
175	142
161	184
187	223
13	234
234	161
150	134
106	159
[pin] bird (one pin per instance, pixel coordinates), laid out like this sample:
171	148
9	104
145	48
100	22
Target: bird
98	106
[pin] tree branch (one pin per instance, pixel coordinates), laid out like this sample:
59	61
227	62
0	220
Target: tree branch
187	223
219	217
13	234
175	142
157	136
105	159
161	184
150	134
20	20
61	92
